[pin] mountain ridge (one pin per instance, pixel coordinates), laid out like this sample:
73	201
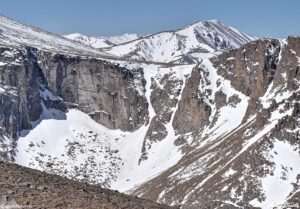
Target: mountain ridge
206	37
14	33
102	41
217	32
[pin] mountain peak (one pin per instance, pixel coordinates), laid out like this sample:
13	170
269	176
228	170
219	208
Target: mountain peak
204	22
213	21
200	39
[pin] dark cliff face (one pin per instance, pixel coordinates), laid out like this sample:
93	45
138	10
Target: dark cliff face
22	82
290	60
250	70
107	92
193	112
33	79
251	67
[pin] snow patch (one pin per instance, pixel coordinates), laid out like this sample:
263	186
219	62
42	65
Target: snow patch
278	186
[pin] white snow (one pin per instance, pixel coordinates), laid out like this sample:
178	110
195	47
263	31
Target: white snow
172	46
10	53
229	117
18	34
278	186
54	133
163	154
278	94
283	44
102	41
230	58
229	173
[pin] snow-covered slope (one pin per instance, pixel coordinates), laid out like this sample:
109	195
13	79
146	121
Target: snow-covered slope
102	41
13	33
198	40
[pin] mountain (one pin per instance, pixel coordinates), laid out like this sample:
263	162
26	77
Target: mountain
102	41
23	187
13	33
219	132
238	127
183	45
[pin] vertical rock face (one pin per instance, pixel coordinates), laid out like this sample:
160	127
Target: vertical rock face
21	80
20	77
251	67
290	60
112	95
193	112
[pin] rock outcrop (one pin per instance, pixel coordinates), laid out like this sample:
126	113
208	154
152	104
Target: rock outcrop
23	92
106	91
193	112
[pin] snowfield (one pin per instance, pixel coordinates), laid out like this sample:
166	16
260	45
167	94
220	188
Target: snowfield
102	41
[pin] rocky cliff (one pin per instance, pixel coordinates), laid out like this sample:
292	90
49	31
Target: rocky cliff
107	92
31	79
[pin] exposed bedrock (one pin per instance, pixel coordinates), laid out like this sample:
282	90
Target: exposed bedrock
107	92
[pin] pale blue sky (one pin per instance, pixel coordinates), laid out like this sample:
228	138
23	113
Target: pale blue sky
262	18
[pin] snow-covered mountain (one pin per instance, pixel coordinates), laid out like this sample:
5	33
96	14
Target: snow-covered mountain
220	132
181	46
13	33
102	41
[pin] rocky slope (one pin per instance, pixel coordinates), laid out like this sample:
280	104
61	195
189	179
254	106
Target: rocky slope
255	164
220	132
24	187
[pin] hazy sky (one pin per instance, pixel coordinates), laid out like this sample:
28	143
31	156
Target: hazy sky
262	18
